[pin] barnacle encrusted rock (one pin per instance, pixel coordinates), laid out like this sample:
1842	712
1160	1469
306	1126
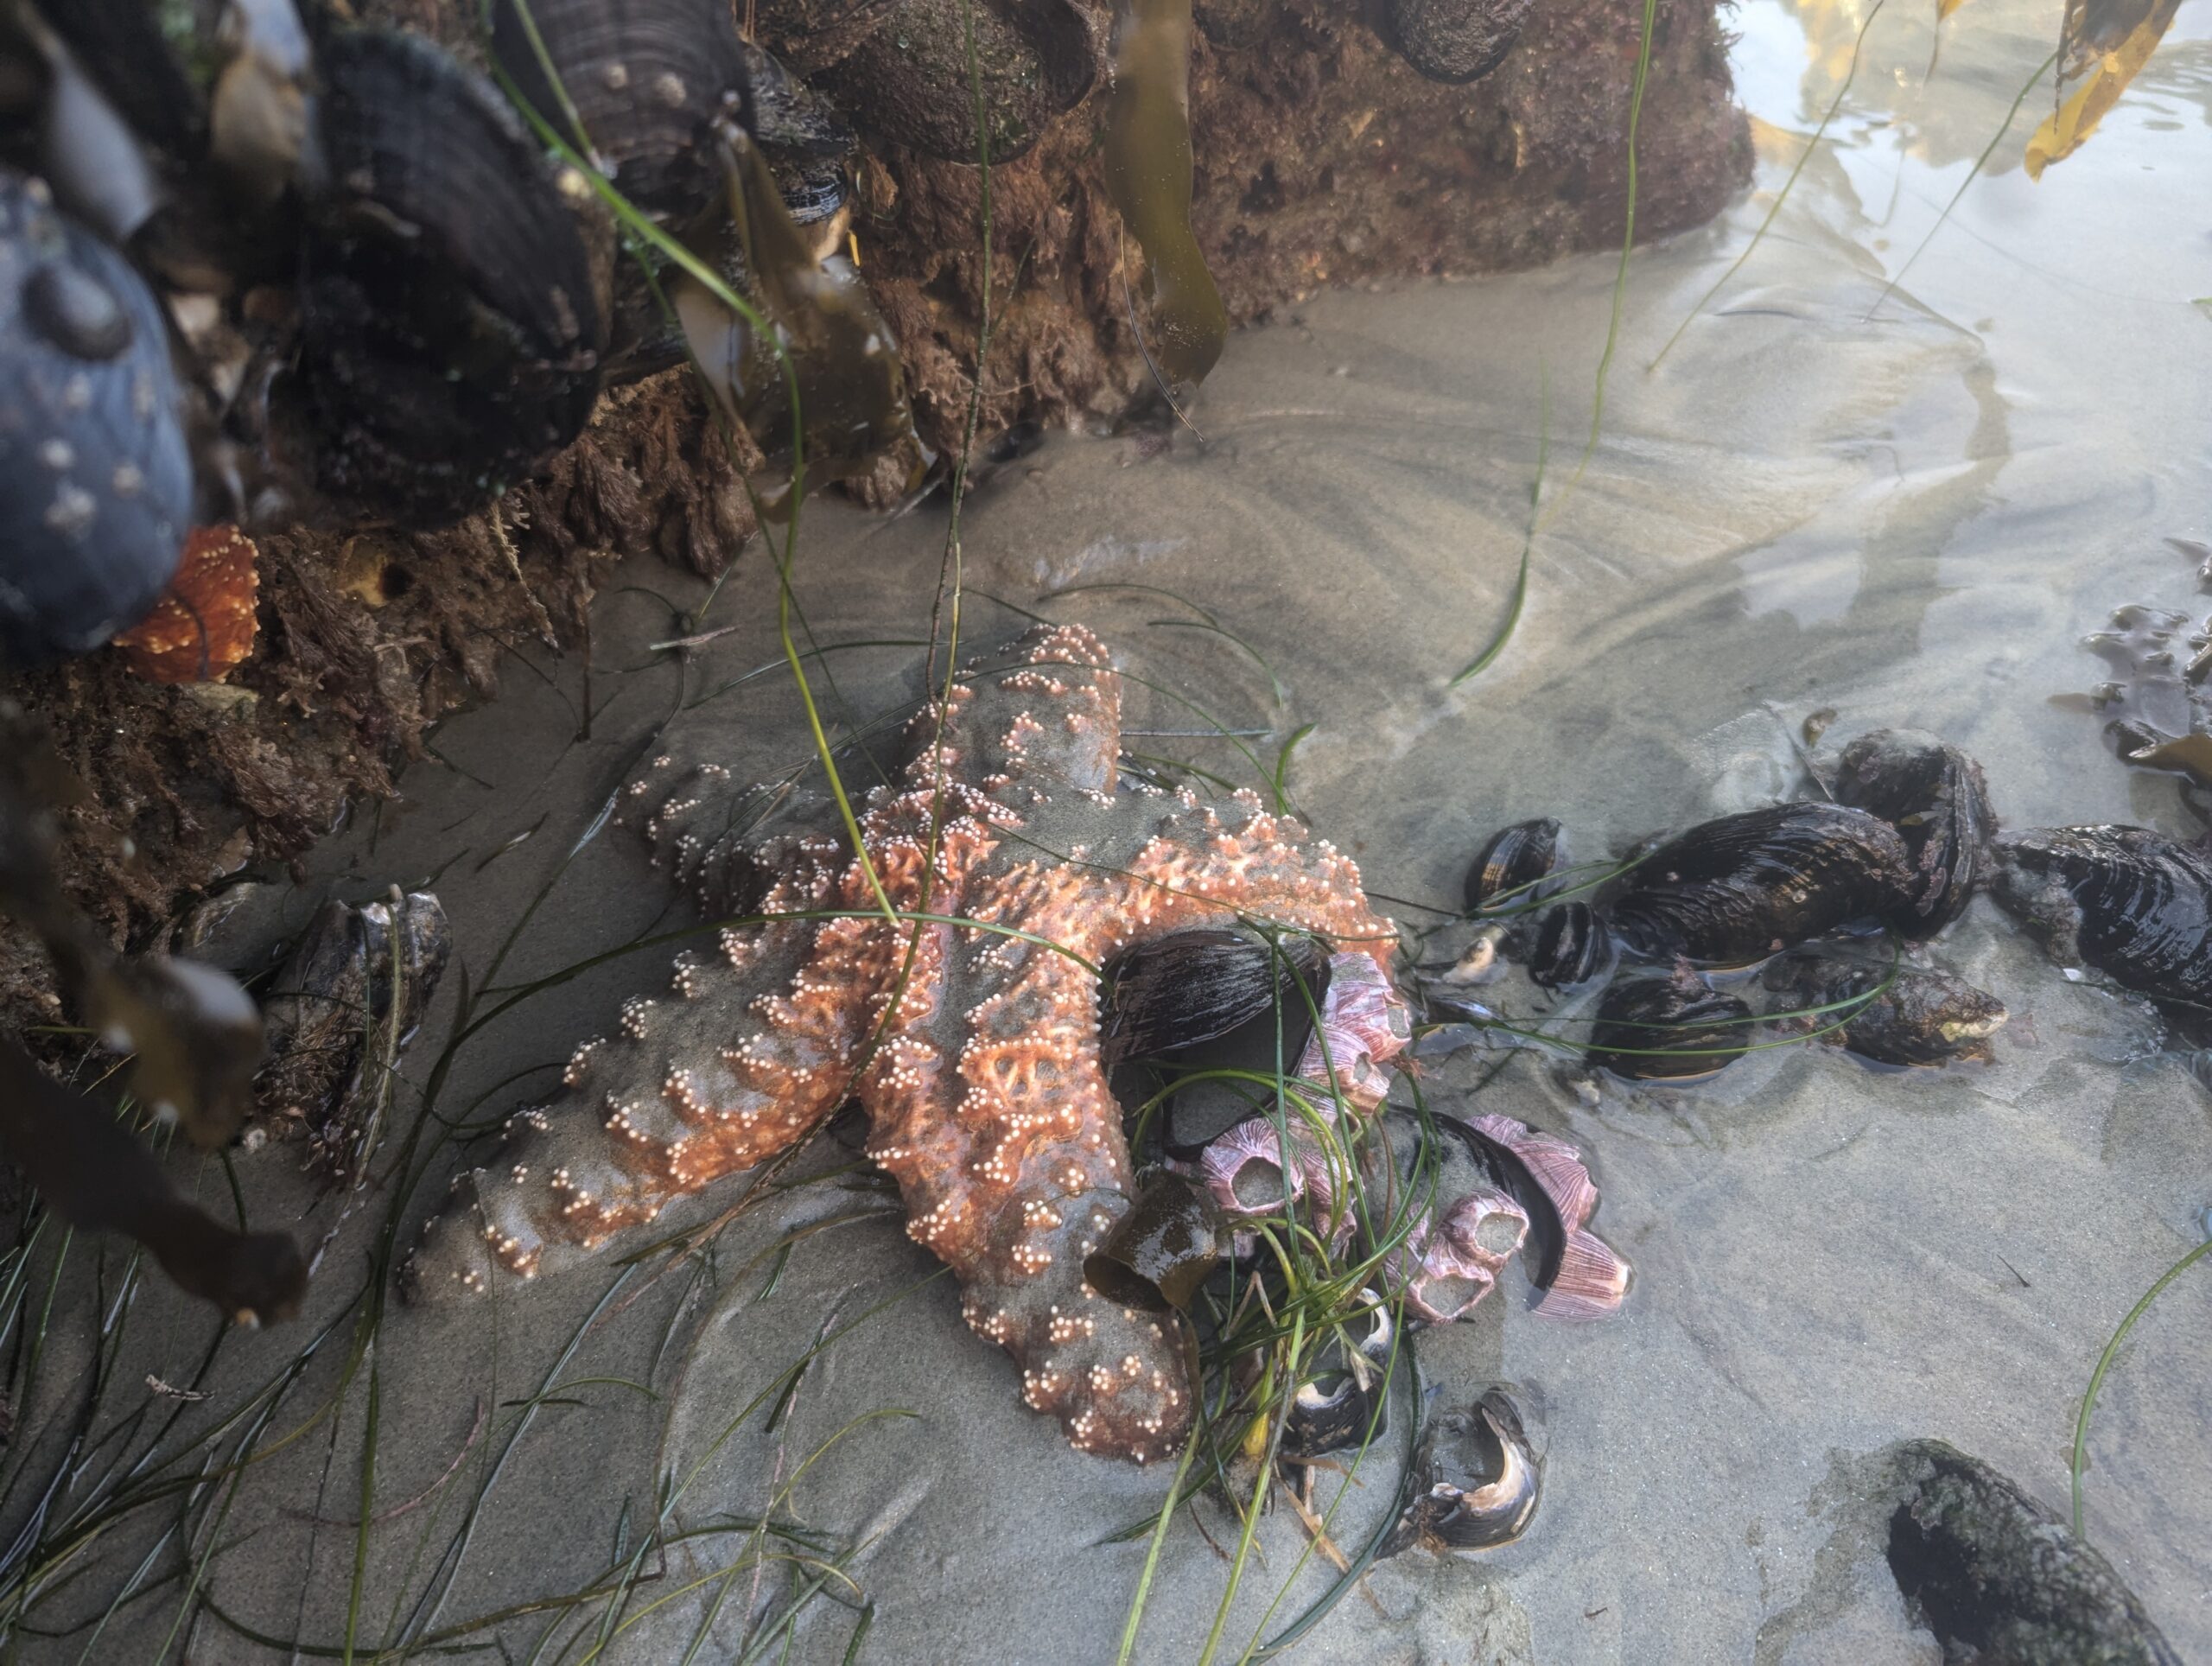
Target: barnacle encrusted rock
973	1047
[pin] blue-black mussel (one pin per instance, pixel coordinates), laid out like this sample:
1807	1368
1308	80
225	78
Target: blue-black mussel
1570	947
1890	1014
1934	795
1515	869
2134	904
95	475
452	312
1672	1028
1736	890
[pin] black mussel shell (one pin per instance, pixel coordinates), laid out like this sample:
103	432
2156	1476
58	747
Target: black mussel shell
1475	1480
1993	1573
1512	870
452	329
1676	1028
646	78
1740	888
911	80
1195	986
1161	1251
1934	795
2134	904
93	464
1343	1401
1454	41
359	980
806	142
1571	946
1903	1016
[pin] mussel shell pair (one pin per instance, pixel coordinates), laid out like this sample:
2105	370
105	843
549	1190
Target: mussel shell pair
1934	795
452	327
1675	1028
1454	41
1571	947
95	475
1197	986
1512	868
2133	903
1736	890
1898	1016
1475	1481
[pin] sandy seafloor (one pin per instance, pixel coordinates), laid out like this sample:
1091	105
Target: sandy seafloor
1910	517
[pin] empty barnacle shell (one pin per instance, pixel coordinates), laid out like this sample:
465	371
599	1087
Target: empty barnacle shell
1364	1025
1345	1400
1675	1028
643	81
912	79
203	627
1449	1261
2134	904
1247	1172
1580	1276
1475	1480
1195	986
1571	946
1742	887
94	470
1892	1014
451	323
1934	795
1163	1249
1513	869
1454	41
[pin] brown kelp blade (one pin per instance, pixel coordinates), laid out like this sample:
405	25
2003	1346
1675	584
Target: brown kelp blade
1163	1249
96	1177
852	387
2103	44
1148	175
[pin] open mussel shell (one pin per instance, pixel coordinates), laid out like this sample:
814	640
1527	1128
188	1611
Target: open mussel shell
911	80
2133	903
1163	1249
1454	41
95	476
1347	1395
1934	795
643	79
1890	1014
1570	947
1475	1481
451	324
1738	889
1512	868
1195	986
1676	1028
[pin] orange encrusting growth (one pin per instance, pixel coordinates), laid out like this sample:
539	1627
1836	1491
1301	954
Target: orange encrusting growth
203	627
985	1093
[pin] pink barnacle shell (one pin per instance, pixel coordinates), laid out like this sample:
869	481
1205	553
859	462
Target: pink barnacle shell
1245	1171
1592	1278
1450	1263
1365	1025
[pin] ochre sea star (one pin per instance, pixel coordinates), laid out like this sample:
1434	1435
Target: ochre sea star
984	1091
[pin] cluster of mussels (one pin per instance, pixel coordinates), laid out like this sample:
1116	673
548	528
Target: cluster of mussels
261	262
1905	839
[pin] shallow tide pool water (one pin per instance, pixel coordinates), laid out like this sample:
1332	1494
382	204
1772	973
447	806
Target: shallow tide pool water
1906	504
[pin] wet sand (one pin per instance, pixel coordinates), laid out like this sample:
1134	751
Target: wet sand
1911	519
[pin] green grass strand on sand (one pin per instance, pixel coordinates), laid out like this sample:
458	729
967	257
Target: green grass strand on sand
2105	1362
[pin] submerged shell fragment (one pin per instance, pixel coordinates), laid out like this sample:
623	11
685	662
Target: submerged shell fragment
1742	887
1345	1400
